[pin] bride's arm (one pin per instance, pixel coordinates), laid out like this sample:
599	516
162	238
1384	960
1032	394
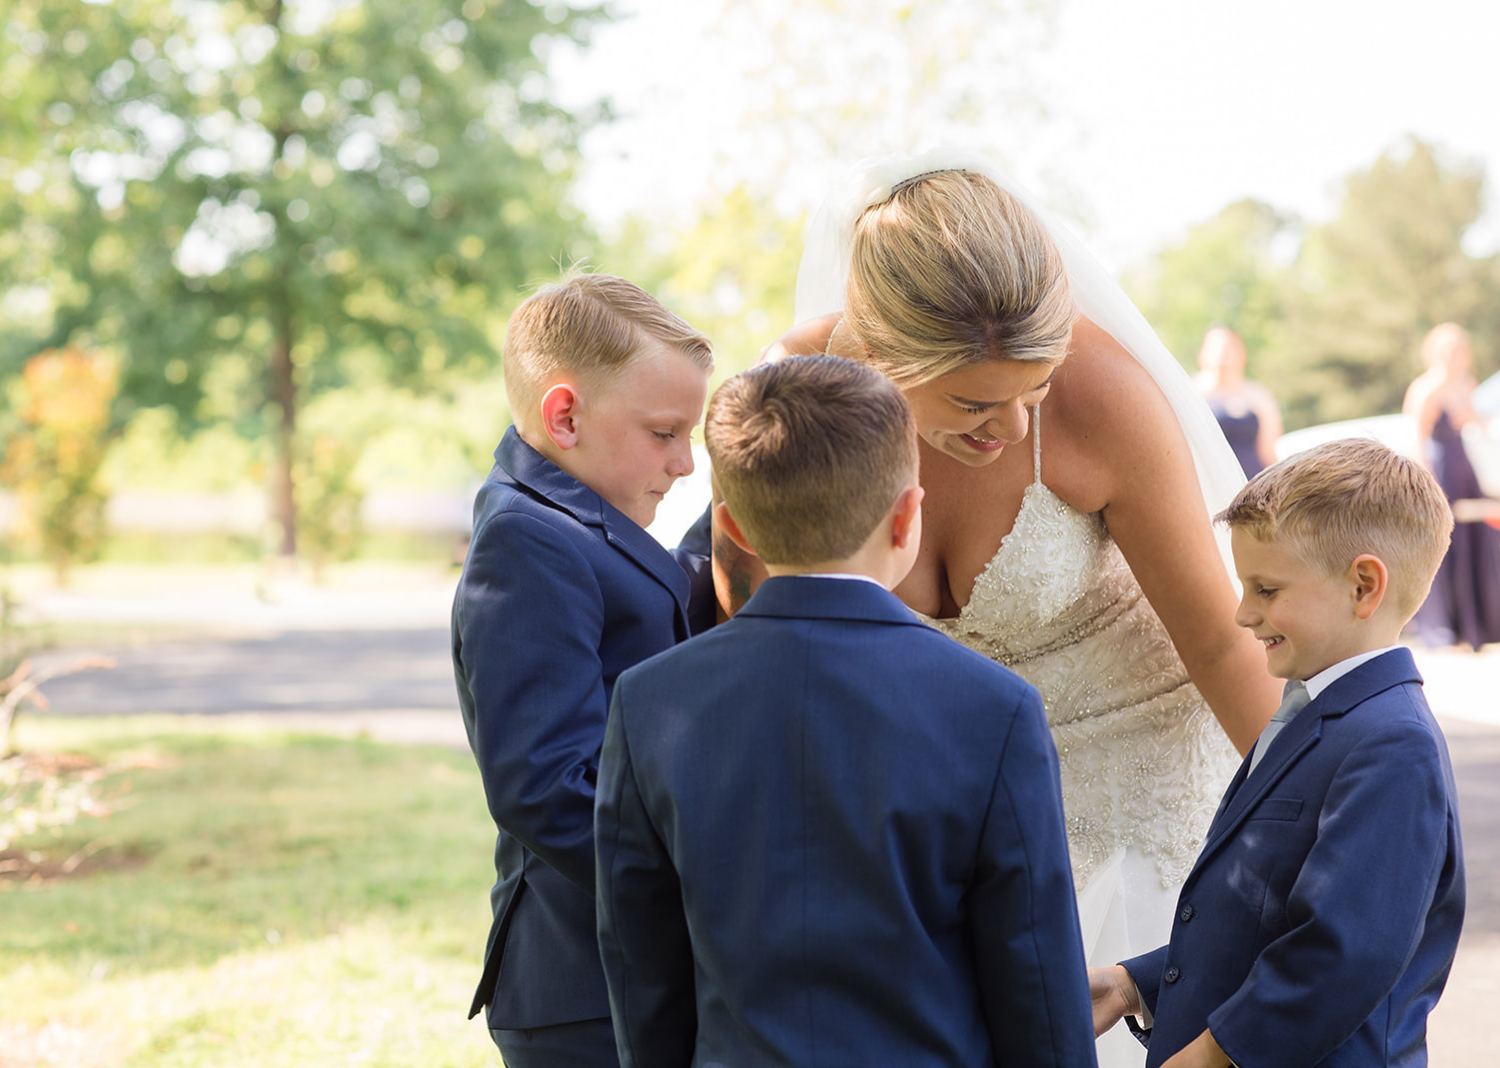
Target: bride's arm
1123	452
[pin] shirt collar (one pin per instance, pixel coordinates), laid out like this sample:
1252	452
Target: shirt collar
1328	676
841	575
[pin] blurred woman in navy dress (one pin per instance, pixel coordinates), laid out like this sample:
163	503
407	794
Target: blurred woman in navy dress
1464	605
1246	411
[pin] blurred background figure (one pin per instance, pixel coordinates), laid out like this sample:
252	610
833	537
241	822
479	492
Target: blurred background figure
1246	411
1464	605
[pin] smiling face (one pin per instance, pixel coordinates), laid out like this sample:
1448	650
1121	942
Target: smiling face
633	431
973	413
1303	616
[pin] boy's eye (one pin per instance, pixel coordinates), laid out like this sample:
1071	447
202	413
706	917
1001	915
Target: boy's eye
664	435
1266	591
975	409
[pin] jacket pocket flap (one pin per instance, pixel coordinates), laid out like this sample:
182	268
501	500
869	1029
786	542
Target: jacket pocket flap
1277	808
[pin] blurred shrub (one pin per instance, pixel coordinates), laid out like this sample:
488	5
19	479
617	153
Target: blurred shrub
54	454
154	453
329	498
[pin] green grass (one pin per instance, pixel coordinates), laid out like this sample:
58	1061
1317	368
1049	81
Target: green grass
254	898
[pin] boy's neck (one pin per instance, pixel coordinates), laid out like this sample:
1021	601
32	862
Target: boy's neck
1372	639
539	441
549	451
1360	657
833	567
881	567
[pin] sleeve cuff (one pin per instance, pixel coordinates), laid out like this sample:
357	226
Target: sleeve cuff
1145	1014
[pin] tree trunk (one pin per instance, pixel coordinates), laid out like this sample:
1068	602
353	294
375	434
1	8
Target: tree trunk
284	436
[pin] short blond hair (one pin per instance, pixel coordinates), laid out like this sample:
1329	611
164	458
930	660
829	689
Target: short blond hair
810	453
591	326
1338	501
951	271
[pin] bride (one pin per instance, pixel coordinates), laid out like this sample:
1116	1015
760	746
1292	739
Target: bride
1070	470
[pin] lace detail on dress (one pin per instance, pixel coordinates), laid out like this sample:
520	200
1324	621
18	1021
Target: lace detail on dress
1143	761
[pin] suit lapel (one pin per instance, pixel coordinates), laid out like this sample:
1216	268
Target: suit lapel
1301	734
518	463
632	540
1231	791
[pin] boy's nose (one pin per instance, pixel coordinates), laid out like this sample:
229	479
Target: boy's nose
1244	613
682	461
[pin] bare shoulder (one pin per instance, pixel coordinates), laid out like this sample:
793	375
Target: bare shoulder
1102	380
808	338
1109	411
1419	395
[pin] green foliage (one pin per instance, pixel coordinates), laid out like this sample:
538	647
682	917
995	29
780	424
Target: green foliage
1226	271
1371	283
156	452
237	195
838	80
732	273
55	454
1334	331
329	497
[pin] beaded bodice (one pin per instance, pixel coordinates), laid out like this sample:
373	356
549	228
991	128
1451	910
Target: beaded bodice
1143	761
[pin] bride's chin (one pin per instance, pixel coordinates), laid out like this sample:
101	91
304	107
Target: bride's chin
971	460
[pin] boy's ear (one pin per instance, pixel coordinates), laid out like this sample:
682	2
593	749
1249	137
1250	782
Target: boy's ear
729	526
560	406
1371	580
906	516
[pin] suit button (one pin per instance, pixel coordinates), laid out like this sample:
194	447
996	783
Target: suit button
1186	914
1171	975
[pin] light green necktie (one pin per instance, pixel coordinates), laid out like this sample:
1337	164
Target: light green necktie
1293	699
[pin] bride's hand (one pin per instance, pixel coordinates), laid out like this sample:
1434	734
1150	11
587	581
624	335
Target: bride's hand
1114	996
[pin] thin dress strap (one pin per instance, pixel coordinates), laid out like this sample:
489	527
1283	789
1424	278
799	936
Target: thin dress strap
1036	440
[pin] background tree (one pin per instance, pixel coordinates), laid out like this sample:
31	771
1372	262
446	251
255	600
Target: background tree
843	79
262	198
1371	283
1232	270
731	271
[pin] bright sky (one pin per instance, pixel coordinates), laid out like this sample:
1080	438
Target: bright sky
1160	112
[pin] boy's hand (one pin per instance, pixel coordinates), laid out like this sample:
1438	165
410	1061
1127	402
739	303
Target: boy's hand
1114	996
1201	1052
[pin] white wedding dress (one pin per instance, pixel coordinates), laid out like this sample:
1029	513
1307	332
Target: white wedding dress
1143	760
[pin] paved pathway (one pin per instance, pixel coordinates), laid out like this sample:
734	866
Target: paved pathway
292	671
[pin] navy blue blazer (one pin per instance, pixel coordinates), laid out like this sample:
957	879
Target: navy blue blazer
560	593
829	835
1319	923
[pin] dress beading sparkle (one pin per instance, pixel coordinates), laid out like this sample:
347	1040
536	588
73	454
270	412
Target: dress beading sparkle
1143	760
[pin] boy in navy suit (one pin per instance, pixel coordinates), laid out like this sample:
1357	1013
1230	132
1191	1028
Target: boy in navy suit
1319	922
827	834
562	590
